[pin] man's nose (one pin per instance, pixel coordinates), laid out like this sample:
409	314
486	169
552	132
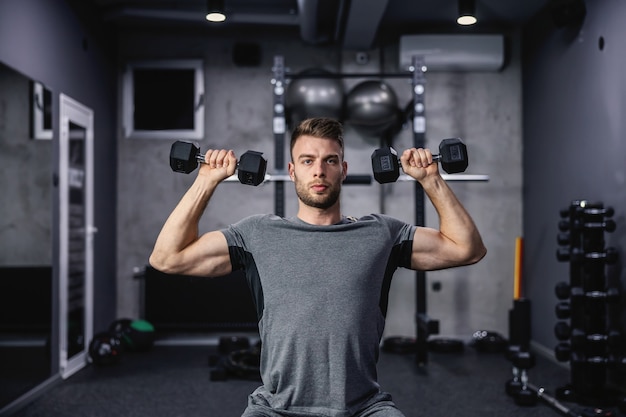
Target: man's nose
318	169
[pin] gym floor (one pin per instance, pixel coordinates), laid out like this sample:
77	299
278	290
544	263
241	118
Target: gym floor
171	380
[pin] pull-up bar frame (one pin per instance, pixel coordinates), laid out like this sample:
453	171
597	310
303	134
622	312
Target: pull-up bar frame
425	326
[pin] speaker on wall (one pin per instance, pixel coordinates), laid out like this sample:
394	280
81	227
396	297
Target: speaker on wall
247	54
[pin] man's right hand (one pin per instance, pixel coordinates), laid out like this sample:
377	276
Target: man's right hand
218	165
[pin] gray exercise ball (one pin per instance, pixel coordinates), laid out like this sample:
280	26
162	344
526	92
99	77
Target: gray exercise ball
319	96
372	108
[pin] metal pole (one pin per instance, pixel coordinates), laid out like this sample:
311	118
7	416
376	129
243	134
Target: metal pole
424	324
279	128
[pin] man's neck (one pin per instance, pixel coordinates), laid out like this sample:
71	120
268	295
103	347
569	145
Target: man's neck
320	217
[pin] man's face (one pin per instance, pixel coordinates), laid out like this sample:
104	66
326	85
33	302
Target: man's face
318	169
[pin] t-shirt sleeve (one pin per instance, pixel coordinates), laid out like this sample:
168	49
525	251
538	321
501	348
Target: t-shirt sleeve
404	234
235	235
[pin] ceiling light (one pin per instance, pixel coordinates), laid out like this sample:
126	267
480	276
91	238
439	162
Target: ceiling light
215	11
467	10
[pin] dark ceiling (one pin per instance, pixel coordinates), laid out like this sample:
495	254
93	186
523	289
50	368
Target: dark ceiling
353	24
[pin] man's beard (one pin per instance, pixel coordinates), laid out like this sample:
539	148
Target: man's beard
318	201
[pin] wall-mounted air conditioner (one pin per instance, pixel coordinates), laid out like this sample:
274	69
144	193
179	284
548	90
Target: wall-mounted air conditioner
454	52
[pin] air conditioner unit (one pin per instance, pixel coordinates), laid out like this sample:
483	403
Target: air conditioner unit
475	52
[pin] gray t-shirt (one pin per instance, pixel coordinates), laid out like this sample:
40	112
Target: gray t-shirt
321	297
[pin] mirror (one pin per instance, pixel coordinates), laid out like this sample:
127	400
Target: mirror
76	234
26	233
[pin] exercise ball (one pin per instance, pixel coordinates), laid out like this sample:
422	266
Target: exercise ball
319	96
372	108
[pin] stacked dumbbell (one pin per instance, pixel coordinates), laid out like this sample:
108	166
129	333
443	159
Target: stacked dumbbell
522	360
588	329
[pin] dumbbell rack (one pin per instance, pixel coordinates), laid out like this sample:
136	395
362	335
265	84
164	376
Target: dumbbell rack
589	307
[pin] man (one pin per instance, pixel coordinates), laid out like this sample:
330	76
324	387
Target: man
320	280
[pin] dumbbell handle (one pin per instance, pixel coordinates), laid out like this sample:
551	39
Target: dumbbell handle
552	402
436	157
200	157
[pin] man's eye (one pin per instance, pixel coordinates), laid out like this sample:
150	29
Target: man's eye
331	161
306	161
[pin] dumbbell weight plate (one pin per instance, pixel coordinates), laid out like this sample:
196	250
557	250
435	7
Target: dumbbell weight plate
184	156
385	165
513	387
453	155
251	168
526	398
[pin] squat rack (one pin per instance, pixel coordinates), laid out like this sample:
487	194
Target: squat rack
425	326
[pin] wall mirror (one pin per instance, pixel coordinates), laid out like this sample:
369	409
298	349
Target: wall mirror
76	232
26	238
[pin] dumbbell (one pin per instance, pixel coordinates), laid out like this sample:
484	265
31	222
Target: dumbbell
563	310
608	225
564	410
577	255
513	385
452	155
522	394
185	156
563	353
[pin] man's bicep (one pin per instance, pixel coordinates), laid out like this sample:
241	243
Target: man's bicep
432	250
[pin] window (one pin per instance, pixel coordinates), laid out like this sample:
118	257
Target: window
164	99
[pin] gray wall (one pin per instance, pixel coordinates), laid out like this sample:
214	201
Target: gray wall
48	42
482	108
574	146
26	181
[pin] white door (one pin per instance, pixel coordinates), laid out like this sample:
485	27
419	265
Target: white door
76	233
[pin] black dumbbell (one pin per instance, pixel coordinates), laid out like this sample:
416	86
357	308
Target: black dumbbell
513	385
185	156
580	339
563	352
564	410
563	310
562	330
579	225
524	361
562	290
452	155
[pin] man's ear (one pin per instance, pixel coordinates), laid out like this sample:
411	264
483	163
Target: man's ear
290	169
345	170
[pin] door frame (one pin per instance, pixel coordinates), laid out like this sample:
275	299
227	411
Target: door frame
71	111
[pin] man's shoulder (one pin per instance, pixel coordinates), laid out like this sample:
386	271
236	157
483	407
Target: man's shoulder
257	219
377	218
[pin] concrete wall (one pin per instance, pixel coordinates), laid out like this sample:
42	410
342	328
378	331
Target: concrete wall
26	182
574	105
482	108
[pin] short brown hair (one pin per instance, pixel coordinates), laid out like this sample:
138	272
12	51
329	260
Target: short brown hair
319	127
